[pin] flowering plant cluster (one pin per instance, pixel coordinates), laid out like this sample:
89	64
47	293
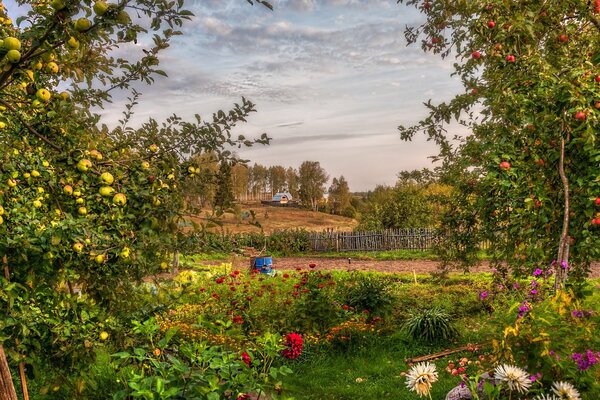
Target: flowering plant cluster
503	382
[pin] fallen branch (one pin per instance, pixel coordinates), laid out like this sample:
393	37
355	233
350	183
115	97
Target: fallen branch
445	353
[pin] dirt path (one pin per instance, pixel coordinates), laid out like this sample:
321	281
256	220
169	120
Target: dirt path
397	266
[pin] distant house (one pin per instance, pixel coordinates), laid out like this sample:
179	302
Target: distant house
282	198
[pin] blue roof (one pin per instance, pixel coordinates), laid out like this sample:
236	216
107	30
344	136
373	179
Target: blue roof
278	196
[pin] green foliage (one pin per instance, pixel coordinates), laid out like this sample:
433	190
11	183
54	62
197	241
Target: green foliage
430	325
365	292
411	203
526	169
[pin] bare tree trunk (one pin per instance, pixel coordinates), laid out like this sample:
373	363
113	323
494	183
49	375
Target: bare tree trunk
562	260
7	388
175	261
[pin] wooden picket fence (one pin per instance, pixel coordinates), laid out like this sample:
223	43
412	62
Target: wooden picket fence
391	239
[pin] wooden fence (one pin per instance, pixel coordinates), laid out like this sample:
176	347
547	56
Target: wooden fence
391	239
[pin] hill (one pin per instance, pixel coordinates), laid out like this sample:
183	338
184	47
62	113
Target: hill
276	218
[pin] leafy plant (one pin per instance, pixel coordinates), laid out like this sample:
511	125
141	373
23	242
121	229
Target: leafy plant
431	325
370	293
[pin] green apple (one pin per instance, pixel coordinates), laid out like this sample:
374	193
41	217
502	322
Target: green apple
37	204
26	175
107	178
11	43
65	96
11	183
1	210
103	335
43	95
153	148
57	4
1	220
96	155
52	67
2	125
84	164
106	191
120	199
77	193
83	24
48	56
145	165
35	173
73	43
123	18
156	202
124	252
14	56
78	247
82	211
100	7
99	259
80	200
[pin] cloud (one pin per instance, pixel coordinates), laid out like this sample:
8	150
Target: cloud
289	124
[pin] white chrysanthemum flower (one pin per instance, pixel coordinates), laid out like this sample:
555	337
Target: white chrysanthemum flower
516	378
546	397
565	391
420	377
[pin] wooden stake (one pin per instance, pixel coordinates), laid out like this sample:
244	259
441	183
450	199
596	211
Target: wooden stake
23	381
7	387
415	276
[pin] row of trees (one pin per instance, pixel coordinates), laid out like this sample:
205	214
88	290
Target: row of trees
222	182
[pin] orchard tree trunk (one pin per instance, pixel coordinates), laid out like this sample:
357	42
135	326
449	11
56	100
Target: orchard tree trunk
561	268
7	388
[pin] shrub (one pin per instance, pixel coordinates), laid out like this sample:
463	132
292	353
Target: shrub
368	292
431	325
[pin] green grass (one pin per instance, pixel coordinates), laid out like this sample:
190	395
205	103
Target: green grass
370	373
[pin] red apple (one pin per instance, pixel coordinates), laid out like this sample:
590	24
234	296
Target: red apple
491	24
597	201
563	38
510	58
476	55
597	78
505	165
580	116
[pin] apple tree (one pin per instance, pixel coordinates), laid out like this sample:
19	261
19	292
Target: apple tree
84	207
527	172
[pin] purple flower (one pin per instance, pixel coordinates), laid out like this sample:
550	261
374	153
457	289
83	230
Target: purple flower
564	265
483	295
524	309
537	272
533	292
534	283
515	285
586	360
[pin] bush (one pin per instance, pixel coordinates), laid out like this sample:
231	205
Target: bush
368	292
431	325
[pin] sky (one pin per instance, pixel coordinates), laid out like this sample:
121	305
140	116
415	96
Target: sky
331	80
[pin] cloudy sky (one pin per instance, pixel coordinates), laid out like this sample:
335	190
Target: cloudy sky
332	80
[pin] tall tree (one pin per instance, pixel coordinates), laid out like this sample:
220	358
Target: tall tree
292	182
79	202
240	178
339	196
312	183
277	179
528	173
224	197
259	178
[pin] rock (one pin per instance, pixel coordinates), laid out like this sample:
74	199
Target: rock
460	392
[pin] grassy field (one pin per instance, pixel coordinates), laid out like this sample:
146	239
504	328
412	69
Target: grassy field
277	218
